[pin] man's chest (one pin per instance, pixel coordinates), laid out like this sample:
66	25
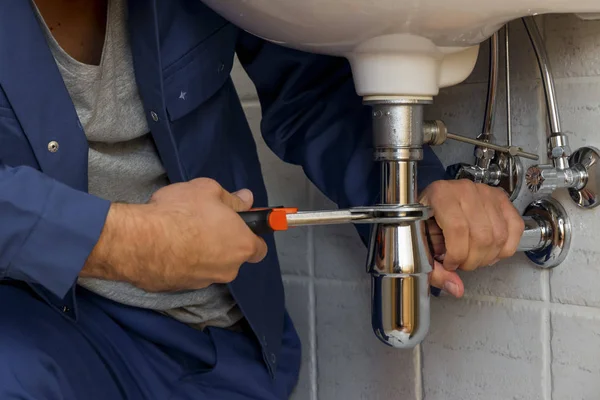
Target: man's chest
79	26
182	56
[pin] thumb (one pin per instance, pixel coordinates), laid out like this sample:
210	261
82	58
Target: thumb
449	281
239	201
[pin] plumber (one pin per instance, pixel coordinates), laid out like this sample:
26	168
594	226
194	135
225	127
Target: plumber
125	158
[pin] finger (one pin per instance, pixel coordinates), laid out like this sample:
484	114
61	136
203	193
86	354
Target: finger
449	281
498	223
436	238
451	220
481	235
516	226
433	227
239	201
260	252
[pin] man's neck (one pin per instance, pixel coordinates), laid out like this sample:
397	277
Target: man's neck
79	26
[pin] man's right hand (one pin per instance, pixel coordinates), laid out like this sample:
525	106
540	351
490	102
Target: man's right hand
187	237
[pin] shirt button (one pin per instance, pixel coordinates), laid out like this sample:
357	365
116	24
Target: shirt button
264	340
53	146
273	358
154	116
221	67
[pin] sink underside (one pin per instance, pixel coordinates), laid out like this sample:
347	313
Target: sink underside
432	42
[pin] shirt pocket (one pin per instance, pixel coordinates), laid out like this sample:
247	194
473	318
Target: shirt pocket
200	74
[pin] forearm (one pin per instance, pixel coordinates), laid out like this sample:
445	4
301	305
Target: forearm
121	238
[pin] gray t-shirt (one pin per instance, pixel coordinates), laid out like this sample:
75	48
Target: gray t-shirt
124	164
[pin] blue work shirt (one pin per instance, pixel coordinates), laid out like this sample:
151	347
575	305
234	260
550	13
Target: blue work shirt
312	117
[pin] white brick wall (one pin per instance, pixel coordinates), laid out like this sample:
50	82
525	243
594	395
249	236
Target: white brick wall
521	333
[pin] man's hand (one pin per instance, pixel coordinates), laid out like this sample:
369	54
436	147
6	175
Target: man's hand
187	237
475	225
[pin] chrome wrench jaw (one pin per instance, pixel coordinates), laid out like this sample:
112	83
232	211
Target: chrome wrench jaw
380	214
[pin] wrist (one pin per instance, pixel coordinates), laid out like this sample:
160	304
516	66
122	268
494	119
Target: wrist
117	249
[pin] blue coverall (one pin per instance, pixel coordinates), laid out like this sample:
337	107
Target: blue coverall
58	341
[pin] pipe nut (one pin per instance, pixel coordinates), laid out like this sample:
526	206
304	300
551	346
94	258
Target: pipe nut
470	172
484	153
435	133
560	152
558	145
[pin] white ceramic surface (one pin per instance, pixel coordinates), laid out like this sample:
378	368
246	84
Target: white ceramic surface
396	47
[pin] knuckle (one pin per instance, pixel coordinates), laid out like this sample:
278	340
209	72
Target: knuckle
519	225
500	193
482	187
228	276
469	267
458	253
459	228
248	247
466	185
501	234
492	194
210	185
503	198
507	205
512	251
483	237
436	186
437	189
231	274
508	252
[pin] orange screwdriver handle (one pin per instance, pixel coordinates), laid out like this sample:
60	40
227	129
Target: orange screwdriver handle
267	220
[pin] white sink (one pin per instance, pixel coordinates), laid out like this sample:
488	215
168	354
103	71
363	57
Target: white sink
396	47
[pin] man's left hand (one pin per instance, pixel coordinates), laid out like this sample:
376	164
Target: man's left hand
474	225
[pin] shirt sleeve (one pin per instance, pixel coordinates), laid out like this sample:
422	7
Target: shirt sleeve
47	229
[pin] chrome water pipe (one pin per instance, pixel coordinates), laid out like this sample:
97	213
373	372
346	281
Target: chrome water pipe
578	172
502	169
400	258
485	155
547	236
537	43
558	143
514	171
